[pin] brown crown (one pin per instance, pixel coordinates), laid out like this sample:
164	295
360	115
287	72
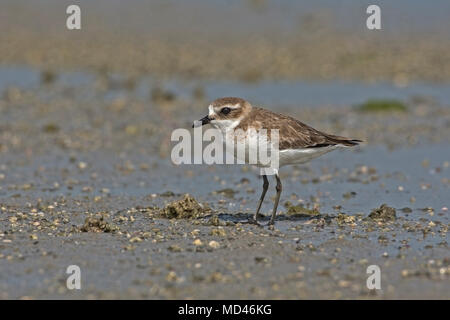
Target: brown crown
228	100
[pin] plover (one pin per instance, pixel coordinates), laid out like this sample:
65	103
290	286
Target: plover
297	142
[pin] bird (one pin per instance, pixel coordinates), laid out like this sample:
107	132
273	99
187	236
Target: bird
297	142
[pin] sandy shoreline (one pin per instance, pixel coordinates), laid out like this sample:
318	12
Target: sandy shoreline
69	157
86	176
314	48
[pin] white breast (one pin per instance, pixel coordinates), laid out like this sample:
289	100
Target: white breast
298	156
252	148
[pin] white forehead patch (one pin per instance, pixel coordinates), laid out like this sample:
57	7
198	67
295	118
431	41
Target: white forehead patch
211	110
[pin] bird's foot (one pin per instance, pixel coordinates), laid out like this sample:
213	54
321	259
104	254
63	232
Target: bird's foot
253	220
271	224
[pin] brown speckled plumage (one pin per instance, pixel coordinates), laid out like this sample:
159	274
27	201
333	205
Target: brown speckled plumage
293	134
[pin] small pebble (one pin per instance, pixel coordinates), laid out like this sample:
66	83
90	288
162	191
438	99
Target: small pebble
214	244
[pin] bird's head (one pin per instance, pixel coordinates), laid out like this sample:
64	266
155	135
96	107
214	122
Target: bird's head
225	113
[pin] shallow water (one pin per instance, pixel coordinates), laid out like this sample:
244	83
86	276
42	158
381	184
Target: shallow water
400	176
275	93
48	189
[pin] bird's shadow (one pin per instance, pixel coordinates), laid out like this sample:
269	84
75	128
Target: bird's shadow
241	217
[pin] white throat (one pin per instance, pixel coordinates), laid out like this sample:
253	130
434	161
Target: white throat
226	125
223	125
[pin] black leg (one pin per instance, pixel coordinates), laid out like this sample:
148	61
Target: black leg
261	199
277	199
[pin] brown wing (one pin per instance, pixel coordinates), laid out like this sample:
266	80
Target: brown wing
293	133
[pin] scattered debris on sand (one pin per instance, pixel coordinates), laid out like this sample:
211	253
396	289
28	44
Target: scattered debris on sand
299	209
406	210
343	218
227	192
220	231
383	213
97	223
214	221
186	208
175	248
168	194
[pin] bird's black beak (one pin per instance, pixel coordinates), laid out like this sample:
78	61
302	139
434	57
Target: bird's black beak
201	122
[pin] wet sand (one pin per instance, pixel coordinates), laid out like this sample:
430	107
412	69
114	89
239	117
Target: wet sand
72	151
231	41
86	177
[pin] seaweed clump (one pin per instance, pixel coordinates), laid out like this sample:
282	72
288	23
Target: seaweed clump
97	223
382	105
299	210
343	219
383	213
186	208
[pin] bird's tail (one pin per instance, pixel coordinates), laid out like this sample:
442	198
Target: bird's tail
344	141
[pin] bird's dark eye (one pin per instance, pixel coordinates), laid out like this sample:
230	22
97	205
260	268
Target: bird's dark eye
225	110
